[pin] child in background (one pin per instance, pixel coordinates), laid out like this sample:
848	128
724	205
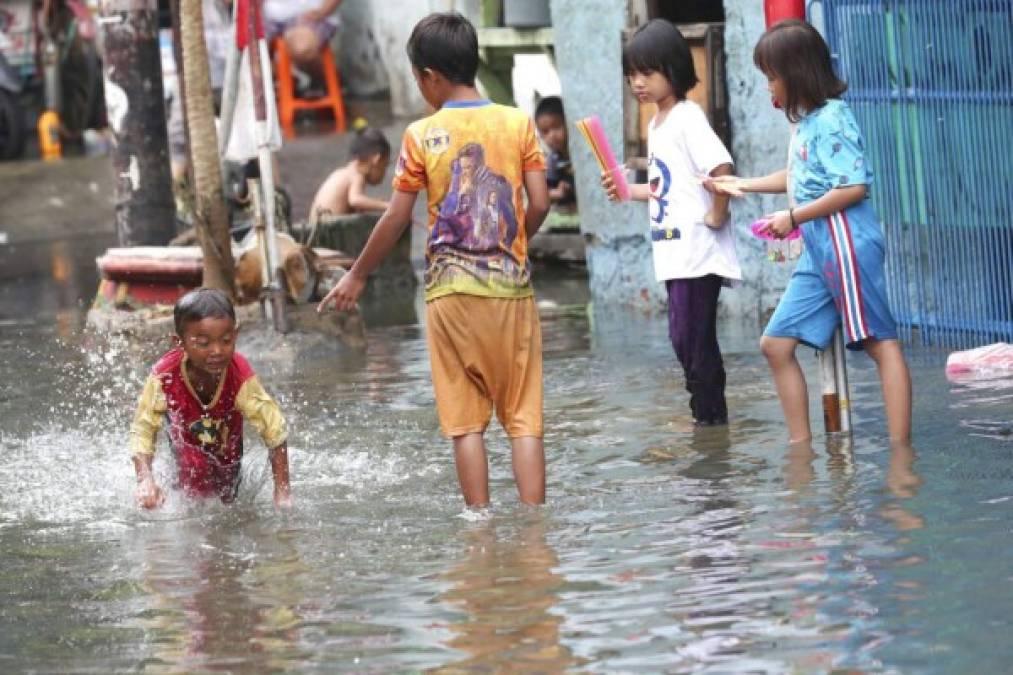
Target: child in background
551	125
344	190
694	252
205	389
840	276
475	160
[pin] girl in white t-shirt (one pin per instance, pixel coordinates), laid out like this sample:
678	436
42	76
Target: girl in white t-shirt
694	252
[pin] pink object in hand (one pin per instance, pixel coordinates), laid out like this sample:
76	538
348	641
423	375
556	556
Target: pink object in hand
591	129
759	228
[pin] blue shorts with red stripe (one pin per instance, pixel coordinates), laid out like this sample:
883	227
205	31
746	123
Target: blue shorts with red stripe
839	281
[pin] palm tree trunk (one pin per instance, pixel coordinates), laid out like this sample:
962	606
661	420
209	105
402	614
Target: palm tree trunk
211	216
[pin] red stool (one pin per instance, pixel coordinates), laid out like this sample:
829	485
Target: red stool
289	103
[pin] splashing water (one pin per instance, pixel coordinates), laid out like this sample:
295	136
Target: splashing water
662	548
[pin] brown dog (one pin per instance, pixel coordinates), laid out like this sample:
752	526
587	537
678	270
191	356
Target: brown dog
298	271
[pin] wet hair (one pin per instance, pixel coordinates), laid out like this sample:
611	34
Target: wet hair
550	105
796	53
201	303
369	142
658	46
447	43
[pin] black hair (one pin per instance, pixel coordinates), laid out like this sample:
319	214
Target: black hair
550	105
658	46
201	303
369	142
447	43
796	53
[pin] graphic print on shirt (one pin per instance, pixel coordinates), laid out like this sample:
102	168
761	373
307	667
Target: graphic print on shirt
212	434
659	181
477	214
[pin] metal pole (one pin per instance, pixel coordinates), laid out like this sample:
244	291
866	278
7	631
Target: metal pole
841	377
230	88
831	398
261	88
145	209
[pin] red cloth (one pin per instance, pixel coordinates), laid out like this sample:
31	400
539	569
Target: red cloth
207	444
243	9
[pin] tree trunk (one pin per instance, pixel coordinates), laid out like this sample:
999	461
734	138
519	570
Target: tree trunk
145	212
211	215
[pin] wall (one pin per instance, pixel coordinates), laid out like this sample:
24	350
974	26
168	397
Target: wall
759	147
588	56
372	44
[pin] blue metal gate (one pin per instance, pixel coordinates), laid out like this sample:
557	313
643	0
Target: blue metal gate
931	82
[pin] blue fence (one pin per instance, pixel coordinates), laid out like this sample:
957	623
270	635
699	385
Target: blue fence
931	82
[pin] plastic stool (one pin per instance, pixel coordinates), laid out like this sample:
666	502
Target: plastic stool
289	103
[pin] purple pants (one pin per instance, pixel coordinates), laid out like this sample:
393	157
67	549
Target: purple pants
692	327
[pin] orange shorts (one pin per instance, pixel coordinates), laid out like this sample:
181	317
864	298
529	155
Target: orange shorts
486	353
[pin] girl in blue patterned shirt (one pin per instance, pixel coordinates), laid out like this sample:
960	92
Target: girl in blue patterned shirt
839	279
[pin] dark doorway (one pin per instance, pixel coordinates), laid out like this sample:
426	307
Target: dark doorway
687	11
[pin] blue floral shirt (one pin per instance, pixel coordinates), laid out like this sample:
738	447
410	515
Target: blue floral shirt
827	151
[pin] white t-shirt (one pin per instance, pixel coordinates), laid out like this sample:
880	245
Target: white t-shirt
286	10
682	149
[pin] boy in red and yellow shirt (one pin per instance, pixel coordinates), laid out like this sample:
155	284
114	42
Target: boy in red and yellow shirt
205	389
476	161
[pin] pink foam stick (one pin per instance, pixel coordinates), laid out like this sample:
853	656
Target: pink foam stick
759	228
593	133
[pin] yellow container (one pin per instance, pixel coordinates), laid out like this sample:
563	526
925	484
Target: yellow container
49	136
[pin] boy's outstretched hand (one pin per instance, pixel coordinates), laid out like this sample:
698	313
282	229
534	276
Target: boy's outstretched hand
148	494
345	293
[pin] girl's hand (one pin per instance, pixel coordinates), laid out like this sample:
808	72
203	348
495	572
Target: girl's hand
149	495
779	224
609	184
733	186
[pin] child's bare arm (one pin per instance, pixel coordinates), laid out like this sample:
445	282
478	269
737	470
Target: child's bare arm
538	201
734	186
358	200
279	469
148	494
143	430
834	201
718	214
385	234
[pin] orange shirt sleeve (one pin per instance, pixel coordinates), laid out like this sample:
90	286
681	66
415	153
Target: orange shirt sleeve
534	160
410	172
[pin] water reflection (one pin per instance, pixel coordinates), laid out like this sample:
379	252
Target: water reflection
217	597
903	484
506	589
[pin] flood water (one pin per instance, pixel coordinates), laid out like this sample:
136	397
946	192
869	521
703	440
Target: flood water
662	548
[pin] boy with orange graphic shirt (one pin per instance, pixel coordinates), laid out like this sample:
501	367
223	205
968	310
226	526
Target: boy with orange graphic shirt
475	160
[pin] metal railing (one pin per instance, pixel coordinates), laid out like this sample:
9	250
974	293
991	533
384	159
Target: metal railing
931	82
